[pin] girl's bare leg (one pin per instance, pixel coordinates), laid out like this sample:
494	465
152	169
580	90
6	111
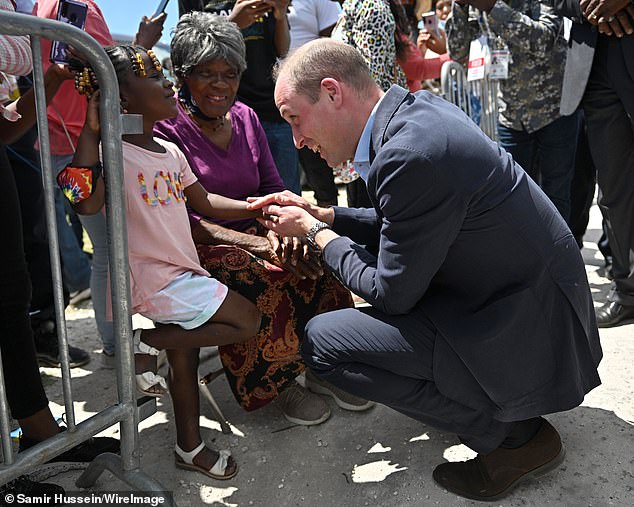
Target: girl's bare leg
183	385
236	320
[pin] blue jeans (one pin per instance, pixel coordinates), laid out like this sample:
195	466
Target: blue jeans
75	262
95	226
280	139
548	156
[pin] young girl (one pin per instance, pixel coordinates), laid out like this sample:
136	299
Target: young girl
168	285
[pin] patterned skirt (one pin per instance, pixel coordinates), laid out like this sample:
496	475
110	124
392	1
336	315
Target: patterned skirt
263	366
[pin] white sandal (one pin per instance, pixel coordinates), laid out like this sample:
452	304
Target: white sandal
148	379
186	462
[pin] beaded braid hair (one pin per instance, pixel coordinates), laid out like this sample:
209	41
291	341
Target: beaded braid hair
124	58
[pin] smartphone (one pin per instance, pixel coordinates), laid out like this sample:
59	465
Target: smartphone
161	8
429	21
74	13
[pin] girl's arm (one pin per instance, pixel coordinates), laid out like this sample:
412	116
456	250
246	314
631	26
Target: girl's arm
87	155
217	206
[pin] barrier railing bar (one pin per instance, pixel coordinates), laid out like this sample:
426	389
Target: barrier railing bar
111	127
51	223
51	447
5	430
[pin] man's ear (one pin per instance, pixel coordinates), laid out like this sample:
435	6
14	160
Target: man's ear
333	90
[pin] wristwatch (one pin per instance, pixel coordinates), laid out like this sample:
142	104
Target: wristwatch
314	229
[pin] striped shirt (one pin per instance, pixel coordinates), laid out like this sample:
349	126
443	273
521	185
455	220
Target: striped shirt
15	51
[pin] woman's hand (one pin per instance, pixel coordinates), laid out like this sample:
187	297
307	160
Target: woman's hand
247	12
287	253
429	40
295	256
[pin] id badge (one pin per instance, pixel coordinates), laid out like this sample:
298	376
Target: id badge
499	68
478	55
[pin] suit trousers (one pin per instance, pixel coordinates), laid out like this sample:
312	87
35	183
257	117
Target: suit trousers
608	103
388	359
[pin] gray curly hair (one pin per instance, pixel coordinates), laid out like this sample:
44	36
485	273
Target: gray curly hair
201	37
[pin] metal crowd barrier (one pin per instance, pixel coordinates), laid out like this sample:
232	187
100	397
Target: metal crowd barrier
125	413
476	98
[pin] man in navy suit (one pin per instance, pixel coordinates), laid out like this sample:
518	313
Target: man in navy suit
599	77
481	319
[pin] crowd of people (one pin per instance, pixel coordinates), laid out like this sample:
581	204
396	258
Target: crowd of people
479	318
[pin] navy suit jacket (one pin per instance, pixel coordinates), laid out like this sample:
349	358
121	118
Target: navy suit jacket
464	236
583	41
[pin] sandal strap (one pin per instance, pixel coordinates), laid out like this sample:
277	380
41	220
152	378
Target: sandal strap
149	379
142	347
220	466
188	457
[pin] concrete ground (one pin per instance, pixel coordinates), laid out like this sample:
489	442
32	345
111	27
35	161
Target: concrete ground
377	458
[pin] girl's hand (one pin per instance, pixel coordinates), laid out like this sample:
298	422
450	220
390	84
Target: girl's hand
92	124
284	198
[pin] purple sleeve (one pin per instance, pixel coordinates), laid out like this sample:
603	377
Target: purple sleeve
270	180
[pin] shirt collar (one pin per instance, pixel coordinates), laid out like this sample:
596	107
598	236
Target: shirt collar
361	160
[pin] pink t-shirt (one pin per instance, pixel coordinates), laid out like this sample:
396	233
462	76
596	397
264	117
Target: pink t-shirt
68	107
160	243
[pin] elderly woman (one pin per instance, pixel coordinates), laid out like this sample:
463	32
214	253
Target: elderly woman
227	149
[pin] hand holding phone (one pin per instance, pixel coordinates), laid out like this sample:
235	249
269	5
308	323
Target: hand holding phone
430	35
429	22
71	12
161	8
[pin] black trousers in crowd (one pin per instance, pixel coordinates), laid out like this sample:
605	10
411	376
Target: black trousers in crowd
609	109
25	393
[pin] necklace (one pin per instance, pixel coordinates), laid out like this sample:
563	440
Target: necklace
213	128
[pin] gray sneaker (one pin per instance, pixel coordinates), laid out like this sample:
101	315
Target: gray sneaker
300	406
108	360
345	400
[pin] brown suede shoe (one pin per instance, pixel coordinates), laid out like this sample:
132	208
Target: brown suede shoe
489	477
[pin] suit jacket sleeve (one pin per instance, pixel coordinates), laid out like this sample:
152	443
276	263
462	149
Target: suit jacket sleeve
422	216
361	225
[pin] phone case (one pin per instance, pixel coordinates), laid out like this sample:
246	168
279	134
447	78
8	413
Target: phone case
71	12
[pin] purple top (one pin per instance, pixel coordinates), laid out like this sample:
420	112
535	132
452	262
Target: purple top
245	169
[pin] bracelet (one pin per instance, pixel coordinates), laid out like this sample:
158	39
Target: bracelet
79	183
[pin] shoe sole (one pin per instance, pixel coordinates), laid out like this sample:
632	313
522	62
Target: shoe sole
624	322
304	422
317	389
199	469
537	472
47	362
